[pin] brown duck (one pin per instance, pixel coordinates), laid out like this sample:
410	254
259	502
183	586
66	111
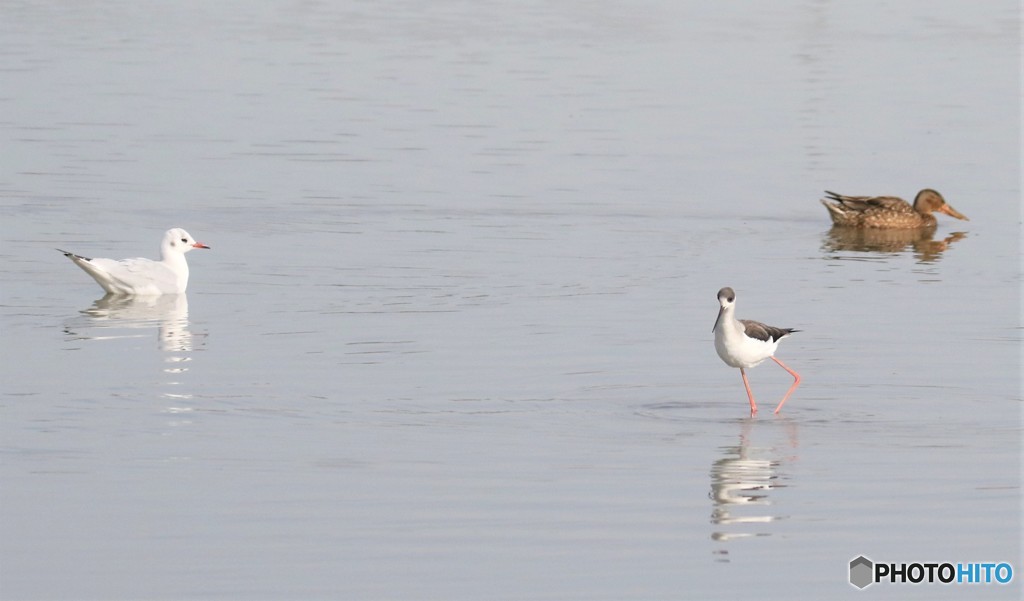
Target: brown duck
888	212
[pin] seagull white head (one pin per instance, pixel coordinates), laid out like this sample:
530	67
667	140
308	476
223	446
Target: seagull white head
178	241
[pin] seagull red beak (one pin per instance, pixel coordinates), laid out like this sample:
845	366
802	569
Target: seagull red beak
199	245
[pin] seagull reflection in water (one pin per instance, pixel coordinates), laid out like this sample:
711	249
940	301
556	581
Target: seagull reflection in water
114	317
121	317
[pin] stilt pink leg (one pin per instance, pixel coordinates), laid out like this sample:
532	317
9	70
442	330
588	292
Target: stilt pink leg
796	382
750	395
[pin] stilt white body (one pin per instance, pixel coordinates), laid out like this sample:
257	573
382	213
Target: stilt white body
736	348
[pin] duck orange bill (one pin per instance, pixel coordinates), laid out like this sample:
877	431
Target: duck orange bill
199	245
948	210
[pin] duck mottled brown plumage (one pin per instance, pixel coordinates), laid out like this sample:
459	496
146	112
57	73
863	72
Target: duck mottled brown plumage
888	212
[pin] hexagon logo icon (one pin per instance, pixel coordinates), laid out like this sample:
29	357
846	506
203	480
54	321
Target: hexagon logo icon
861	570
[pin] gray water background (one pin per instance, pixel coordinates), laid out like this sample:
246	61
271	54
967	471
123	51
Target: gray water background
453	338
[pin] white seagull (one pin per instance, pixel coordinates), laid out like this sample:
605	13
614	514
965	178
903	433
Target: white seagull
144	277
744	343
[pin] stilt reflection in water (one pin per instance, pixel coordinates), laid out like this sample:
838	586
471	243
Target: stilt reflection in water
742	481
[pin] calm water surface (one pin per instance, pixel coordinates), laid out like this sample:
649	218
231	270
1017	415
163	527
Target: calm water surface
453	338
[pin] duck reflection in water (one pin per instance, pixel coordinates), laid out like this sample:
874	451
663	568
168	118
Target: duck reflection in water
742	481
921	242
